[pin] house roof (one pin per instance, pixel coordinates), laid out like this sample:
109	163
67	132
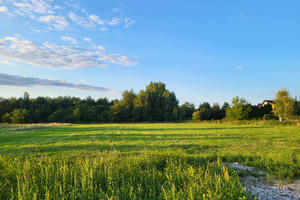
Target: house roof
268	101
265	101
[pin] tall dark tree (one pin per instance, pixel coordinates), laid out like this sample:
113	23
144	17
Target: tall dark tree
205	111
188	109
158	103
216	113
120	113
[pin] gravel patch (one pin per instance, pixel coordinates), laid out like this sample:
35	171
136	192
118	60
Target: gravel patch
255	181
33	127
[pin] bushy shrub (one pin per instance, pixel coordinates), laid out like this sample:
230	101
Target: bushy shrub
269	117
19	116
6	118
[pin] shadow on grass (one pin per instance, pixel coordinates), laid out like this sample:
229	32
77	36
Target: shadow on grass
190	148
55	136
139	129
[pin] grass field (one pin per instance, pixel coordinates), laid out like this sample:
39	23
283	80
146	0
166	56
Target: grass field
140	161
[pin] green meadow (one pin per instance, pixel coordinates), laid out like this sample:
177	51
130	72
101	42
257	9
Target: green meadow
141	161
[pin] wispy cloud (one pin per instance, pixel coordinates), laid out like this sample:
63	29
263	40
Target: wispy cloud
116	9
76	6
47	11
51	55
128	22
82	21
100	48
15	80
97	19
58	22
87	39
239	67
69	39
114	21
33	7
104	29
7	62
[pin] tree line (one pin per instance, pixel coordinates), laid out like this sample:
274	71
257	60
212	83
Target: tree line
154	104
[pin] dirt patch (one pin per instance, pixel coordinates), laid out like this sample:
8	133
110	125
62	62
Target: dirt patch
263	186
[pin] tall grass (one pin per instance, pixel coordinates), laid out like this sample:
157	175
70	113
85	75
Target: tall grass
166	175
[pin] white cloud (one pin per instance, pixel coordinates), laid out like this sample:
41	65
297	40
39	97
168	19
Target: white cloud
117	59
115	21
96	19
82	21
58	7
128	22
239	67
104	29
32	7
87	39
15	80
116	9
3	9
72	5
39	30
7	62
124	60
51	13
58	22
50	55
69	39
100	48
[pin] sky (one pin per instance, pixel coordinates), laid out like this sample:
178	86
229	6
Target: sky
202	50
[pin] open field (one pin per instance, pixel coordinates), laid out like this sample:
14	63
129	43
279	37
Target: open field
141	161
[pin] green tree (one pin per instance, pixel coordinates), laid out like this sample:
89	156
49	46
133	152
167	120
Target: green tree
196	116
138	113
128	101
157	102
188	109
202	114
6	118
128	98
77	114
205	111
223	109
19	116
62	115
120	113
284	104
239	110
105	116
25	101
216	112
296	107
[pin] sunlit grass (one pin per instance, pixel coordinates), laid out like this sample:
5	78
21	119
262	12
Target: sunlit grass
271	148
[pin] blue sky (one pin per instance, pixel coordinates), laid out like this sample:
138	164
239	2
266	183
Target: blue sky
202	50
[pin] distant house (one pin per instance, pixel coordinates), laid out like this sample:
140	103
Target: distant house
266	102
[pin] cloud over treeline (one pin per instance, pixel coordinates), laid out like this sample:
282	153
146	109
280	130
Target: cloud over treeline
15	80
